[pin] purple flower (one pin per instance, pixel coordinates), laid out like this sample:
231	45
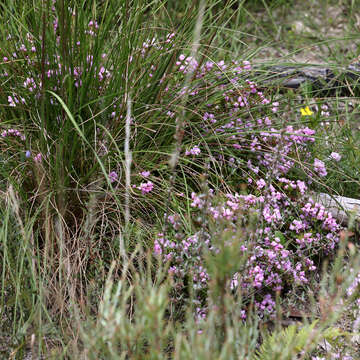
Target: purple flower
145	174
319	167
113	176
146	187
260	183
38	158
11	101
336	156
30	84
12	132
194	151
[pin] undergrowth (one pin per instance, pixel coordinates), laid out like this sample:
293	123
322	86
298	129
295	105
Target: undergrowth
157	194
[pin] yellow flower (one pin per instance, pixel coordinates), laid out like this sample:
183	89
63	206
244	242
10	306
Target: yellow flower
306	111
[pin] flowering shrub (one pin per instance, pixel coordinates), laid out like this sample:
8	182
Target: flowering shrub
146	187
279	252
291	228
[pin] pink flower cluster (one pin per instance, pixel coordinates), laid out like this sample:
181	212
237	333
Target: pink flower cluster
184	256
279	254
319	167
146	187
113	176
12	132
14	100
335	156
30	84
194	151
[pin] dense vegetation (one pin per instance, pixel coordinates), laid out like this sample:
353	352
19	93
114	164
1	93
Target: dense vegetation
157	190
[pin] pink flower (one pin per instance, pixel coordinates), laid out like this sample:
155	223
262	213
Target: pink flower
145	174
336	156
113	176
146	187
38	158
194	151
319	167
11	101
30	84
247	65
260	184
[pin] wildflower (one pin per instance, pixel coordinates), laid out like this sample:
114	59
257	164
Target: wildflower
30	84
146	187
194	151
170	114
93	25
28	153
319	167
38	158
260	184
113	176
247	65
306	111
11	101
335	156
145	174
12	132
275	106
197	201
